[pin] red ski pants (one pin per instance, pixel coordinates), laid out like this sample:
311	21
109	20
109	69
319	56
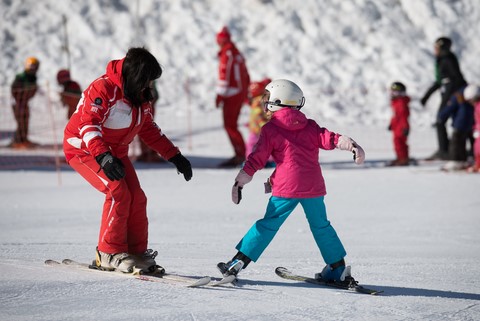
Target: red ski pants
401	147
231	112
124	226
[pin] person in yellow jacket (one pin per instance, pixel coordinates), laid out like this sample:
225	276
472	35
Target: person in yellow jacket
258	116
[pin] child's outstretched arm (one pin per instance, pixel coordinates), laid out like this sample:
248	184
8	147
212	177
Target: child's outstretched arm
241	179
346	143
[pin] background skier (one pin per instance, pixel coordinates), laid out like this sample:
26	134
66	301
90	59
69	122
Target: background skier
472	95
232	92
70	96
399	122
449	79
23	89
461	112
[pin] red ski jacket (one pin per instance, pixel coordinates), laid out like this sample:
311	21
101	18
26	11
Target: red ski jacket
399	122
233	77
106	121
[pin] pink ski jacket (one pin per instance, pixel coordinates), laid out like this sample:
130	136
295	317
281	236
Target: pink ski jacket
294	142
106	121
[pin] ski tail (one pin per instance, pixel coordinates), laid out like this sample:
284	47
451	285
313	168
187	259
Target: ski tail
158	275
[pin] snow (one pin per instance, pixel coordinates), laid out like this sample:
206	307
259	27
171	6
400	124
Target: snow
411	232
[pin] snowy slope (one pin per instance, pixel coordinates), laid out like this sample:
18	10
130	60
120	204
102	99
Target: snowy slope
343	54
412	232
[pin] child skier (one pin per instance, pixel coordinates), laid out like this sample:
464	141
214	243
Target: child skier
461	113
472	95
258	117
294	142
399	123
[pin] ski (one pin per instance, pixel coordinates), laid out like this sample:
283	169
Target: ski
225	280
159	276
287	274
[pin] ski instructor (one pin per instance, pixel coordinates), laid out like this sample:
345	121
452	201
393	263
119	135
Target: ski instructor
112	111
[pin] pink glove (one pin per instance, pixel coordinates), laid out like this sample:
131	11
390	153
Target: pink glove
241	179
358	154
346	143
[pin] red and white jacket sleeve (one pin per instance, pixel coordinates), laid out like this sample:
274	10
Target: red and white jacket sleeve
92	117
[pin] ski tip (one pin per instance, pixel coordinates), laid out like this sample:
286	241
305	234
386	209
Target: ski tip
203	281
228	279
51	262
281	270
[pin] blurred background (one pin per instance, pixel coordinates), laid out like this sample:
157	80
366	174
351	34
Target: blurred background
344	54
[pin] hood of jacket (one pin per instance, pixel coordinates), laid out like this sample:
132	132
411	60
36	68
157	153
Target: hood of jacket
290	119
114	72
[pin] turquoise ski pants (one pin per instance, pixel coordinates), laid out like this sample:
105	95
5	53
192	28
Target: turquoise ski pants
278	209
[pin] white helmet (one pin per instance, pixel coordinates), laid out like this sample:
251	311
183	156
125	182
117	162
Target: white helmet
471	92
282	93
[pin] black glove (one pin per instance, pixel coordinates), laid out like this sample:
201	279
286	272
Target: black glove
405	131
389	127
112	166
183	166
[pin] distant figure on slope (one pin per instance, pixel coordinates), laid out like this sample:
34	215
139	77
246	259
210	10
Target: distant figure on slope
232	92
23	89
449	79
258	116
399	124
113	110
472	95
70	96
461	113
294	142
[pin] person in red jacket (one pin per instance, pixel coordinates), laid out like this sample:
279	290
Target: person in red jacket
70	96
472	95
232	92
113	110
399	123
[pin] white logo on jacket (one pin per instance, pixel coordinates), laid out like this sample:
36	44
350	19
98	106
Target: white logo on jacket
120	116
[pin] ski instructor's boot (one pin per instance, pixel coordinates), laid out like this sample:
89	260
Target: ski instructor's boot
122	262
145	261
